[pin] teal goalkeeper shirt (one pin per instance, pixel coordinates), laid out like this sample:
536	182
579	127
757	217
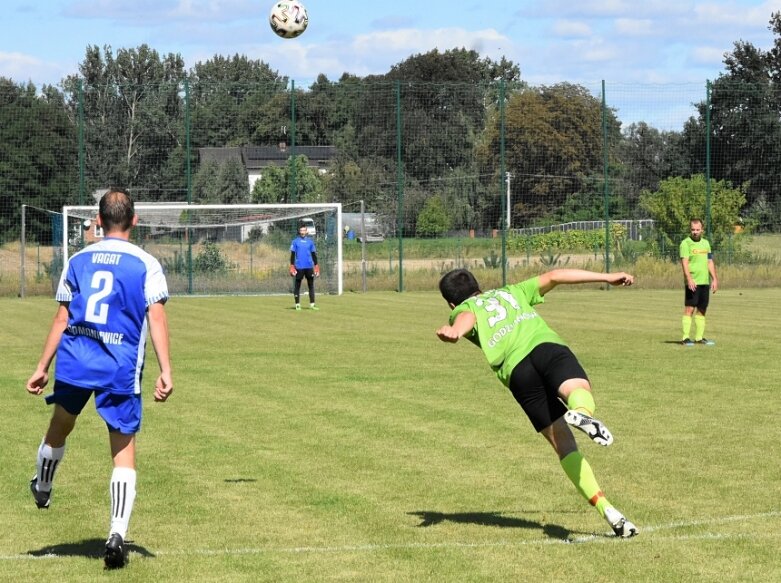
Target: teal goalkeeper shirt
507	327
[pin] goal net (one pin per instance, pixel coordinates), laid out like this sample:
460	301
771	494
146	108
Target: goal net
223	249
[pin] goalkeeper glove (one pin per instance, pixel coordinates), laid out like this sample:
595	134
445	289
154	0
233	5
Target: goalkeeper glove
293	271
317	271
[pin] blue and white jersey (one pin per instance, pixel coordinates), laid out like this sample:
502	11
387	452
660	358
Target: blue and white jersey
108	286
303	248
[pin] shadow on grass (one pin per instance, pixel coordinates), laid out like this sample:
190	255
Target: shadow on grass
239	480
91	548
431	518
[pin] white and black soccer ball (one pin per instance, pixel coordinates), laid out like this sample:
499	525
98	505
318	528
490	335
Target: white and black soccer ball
288	19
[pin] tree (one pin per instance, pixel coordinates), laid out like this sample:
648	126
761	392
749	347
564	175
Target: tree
745	116
232	182
237	101
443	98
37	157
275	184
133	118
646	156
553	143
205	181
678	200
433	220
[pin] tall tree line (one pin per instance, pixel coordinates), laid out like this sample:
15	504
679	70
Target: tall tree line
138	110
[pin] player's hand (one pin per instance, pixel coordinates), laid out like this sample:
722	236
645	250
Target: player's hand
317	271
293	271
620	278
163	387
692	285
37	382
448	334
714	285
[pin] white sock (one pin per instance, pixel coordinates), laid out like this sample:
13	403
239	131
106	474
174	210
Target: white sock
48	459
123	494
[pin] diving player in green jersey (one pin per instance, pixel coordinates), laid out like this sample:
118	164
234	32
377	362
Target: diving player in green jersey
536	365
700	279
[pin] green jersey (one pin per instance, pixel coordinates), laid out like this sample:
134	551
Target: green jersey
507	328
698	253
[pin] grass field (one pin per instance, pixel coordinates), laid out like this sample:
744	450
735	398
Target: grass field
350	445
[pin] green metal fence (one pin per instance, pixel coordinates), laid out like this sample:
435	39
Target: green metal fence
450	174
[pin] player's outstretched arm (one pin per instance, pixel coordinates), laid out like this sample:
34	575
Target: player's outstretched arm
556	277
463	323
39	379
158	330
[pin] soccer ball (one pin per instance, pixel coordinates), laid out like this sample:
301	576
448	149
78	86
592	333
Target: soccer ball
288	18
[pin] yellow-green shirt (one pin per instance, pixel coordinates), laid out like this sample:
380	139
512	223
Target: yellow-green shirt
507	328
698	253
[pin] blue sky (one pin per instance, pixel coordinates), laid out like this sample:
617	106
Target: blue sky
620	41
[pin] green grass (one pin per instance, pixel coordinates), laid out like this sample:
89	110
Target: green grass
389	456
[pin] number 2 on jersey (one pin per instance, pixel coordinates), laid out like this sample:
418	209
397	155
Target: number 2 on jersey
97	312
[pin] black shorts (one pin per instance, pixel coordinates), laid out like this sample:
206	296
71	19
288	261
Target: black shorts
535	382
306	272
699	298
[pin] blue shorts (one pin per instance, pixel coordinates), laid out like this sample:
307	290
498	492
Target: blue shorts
122	413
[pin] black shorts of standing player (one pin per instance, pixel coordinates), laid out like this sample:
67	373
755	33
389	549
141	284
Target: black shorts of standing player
309	274
698	298
535	382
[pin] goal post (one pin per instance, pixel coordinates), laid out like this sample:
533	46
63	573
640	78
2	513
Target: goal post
224	249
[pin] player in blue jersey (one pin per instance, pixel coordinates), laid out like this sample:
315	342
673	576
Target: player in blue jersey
110	294
303	264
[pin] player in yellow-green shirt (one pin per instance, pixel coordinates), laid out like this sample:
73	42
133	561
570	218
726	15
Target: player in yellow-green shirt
536	365
700	279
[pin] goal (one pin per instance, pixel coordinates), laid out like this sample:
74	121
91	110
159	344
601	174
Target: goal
223	249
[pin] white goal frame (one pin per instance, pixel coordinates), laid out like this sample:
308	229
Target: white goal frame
299	210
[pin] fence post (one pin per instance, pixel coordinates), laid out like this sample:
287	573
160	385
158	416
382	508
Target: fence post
605	174
502	178
399	187
708	234
82	185
22	253
188	171
293	187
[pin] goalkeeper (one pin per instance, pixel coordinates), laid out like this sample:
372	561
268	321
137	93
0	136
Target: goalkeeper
303	264
536	365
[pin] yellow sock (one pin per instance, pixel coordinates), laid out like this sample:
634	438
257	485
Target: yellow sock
582	400
686	324
699	327
580	474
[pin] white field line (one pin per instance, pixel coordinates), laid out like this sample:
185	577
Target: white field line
360	548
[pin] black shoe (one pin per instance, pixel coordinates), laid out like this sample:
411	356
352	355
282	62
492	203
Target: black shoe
41	498
705	342
114	557
687	342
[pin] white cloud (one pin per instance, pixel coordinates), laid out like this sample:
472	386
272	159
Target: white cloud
634	26
735	13
22	68
707	55
571	28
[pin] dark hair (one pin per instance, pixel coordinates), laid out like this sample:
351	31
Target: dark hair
116	210
694	220
458	285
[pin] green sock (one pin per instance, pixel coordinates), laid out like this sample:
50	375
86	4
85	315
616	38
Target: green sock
686	324
699	327
582	400
579	472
